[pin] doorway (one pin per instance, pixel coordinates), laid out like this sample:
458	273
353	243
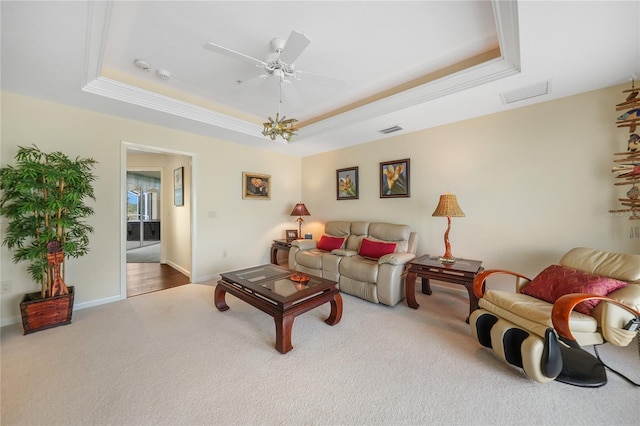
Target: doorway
144	200
157	232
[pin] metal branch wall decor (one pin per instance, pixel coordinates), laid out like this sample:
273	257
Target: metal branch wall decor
626	166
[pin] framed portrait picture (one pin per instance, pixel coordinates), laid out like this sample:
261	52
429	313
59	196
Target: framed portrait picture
256	186
347	183
292	234
394	179
178	187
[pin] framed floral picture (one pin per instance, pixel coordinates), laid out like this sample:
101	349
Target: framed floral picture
256	186
347	183
394	179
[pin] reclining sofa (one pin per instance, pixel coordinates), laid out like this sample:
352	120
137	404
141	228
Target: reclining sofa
366	259
541	327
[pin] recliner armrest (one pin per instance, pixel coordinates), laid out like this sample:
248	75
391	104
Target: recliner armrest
304	244
563	307
344	252
478	282
396	258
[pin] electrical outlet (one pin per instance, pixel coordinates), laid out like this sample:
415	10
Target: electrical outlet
5	287
224	253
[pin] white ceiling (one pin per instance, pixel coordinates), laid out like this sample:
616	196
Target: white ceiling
389	56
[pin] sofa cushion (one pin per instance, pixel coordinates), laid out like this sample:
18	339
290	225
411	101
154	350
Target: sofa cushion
338	228
375	249
328	243
310	258
358	268
558	280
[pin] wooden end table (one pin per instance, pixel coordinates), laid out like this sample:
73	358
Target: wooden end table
463	272
279	245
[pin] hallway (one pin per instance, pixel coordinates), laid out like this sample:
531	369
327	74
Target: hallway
148	277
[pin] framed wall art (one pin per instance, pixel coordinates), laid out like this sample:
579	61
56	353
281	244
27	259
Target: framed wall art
256	186
178	186
292	234
394	179
347	183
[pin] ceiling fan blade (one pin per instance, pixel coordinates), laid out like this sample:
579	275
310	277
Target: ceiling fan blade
321	79
255	81
233	54
294	46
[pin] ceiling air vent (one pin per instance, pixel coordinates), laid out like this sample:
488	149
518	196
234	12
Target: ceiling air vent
523	93
390	130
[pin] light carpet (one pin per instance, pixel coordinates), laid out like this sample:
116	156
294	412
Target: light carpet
170	358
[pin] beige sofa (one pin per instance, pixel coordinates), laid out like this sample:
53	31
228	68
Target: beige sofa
378	280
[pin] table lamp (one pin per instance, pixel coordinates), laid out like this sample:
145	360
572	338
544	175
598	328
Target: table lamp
300	210
448	207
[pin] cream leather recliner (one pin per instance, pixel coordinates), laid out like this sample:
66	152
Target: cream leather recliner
520	328
378	280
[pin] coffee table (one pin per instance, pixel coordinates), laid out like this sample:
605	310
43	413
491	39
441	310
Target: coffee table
271	289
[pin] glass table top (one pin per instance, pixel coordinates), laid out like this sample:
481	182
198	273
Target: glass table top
276	282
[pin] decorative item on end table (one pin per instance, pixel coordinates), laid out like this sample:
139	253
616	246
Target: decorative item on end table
292	234
347	183
394	179
299	210
448	207
43	198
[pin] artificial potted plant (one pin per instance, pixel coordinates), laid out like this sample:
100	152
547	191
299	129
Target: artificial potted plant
43	198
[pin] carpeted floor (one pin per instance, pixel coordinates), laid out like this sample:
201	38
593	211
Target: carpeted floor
171	358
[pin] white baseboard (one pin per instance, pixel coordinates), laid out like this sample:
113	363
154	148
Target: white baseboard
178	268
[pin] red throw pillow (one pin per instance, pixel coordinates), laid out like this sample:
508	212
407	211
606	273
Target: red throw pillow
375	249
329	243
557	280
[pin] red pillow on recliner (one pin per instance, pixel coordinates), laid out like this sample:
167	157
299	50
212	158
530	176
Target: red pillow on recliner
557	280
328	243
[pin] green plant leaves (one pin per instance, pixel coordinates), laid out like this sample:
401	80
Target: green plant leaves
43	197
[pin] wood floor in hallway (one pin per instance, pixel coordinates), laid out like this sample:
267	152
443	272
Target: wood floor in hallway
148	277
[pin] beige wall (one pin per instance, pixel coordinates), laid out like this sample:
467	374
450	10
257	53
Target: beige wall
224	222
533	183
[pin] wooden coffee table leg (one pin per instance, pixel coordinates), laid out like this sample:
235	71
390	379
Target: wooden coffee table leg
219	294
284	325
410	290
336	310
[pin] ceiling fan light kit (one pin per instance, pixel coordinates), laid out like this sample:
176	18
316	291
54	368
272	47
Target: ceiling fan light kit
280	64
280	126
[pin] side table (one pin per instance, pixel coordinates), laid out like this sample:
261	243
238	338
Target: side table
463	271
278	245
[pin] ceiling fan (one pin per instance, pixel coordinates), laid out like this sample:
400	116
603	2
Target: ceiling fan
280	62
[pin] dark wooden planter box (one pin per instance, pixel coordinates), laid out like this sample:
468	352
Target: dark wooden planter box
40	314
